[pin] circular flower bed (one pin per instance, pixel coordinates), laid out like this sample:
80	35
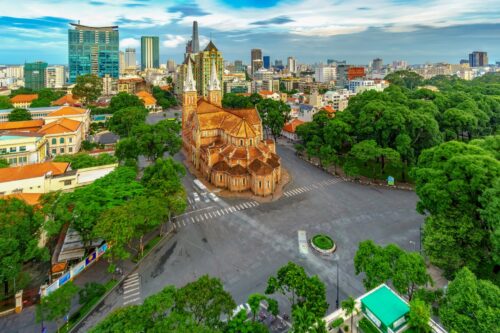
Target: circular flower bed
323	244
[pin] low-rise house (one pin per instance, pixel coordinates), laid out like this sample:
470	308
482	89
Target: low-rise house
289	130
23	100
148	100
72	113
48	177
21	148
66	100
306	112
266	94
64	136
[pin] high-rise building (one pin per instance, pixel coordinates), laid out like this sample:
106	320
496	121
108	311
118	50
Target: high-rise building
150	52
55	76
267	62
196	43
130	59
171	65
399	64
93	50
239	67
34	75
325	74
377	64
292	64
255	54
278	63
203	67
478	59
121	62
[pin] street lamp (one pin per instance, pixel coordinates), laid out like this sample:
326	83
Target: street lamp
337	300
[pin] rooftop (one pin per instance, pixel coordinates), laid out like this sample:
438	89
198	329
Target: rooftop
385	305
32	171
24	125
24	98
67	111
63	125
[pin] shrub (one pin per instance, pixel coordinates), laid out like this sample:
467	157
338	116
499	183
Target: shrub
90	292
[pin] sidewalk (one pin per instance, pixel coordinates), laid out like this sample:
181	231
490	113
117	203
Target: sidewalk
24	322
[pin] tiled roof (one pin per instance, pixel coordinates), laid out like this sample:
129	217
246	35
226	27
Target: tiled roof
146	97
238	170
220	166
66	99
329	109
30	198
266	92
292	126
21	125
243	130
27	98
63	125
260	168
21	133
67	111
32	170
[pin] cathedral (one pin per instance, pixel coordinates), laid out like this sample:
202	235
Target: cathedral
226	145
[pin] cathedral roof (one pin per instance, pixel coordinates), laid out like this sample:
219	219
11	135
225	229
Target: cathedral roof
211	46
260	168
238	170
220	166
243	130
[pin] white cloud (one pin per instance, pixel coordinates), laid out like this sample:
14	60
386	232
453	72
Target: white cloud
129	42
173	41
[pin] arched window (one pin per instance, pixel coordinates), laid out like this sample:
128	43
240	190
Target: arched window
241	142
251	142
220	178
61	140
260	184
54	141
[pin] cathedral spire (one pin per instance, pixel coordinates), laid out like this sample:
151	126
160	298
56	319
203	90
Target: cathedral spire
214	83
189	83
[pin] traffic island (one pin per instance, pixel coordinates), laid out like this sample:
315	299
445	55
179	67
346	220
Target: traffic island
323	244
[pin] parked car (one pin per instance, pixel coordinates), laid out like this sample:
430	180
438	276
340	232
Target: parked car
205	197
196	197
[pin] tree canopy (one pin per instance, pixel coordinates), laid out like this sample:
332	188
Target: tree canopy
5	102
88	88
123	120
19	114
124	100
83	160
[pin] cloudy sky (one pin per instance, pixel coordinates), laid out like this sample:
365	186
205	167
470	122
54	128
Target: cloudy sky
311	30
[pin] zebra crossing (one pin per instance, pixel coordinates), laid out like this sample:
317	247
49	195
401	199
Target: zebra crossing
131	289
308	188
199	216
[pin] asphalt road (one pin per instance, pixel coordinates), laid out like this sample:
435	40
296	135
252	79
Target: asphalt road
244	242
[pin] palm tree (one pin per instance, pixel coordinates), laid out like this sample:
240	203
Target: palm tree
349	306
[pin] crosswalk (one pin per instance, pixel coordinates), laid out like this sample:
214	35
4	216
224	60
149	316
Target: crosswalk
308	188
205	216
131	289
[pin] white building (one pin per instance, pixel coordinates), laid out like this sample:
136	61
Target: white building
55	77
263	74
130	58
292	64
358	86
325	73
337	99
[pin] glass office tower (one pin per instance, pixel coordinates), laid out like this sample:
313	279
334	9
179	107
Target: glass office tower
93	50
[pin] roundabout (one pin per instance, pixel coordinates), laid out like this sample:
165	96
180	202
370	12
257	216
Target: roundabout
323	244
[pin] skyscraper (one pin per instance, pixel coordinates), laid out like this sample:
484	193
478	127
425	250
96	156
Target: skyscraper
267	62
239	67
292	64
171	65
255	54
55	76
478	59
34	75
121	62
150	52
377	64
93	50
130	59
203	66
195	43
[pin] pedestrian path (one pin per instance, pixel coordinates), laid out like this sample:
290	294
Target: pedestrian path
202	216
309	188
132	289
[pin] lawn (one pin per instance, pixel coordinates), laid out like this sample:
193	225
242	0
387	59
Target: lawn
366	326
323	242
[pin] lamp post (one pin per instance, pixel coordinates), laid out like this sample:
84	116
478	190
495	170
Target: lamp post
337	300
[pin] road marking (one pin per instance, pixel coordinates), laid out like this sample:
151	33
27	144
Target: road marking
223	212
206	216
303	242
192	220
132	300
183	223
218	213
131	290
211	215
129	283
137	293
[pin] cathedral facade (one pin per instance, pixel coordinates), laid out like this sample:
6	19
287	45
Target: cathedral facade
227	145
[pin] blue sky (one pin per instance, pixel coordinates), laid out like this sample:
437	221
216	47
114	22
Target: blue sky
311	30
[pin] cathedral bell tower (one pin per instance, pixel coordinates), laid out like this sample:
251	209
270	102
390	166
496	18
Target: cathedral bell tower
189	96
214	88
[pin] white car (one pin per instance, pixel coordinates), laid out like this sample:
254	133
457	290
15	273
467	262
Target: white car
196	197
205	197
213	197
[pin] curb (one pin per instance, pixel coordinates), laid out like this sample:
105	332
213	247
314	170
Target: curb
166	236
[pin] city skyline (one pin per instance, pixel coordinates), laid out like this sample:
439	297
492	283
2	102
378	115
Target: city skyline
416	31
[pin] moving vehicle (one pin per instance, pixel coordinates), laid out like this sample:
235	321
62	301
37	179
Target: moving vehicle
213	197
205	197
196	197
199	186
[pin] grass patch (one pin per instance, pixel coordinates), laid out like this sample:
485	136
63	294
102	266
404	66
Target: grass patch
367	326
323	242
147	248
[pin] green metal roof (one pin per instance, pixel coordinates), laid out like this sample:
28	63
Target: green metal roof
385	305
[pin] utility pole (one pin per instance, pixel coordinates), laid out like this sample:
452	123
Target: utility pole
337	300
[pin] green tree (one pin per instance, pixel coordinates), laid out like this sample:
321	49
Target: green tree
419	316
410	273
124	100
305	321
21	226
274	114
470	305
127	148
206	300
5	103
83	160
57	304
240	324
405	78
4	163
19	115
123	120
90	292
155	140
88	88
349	307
